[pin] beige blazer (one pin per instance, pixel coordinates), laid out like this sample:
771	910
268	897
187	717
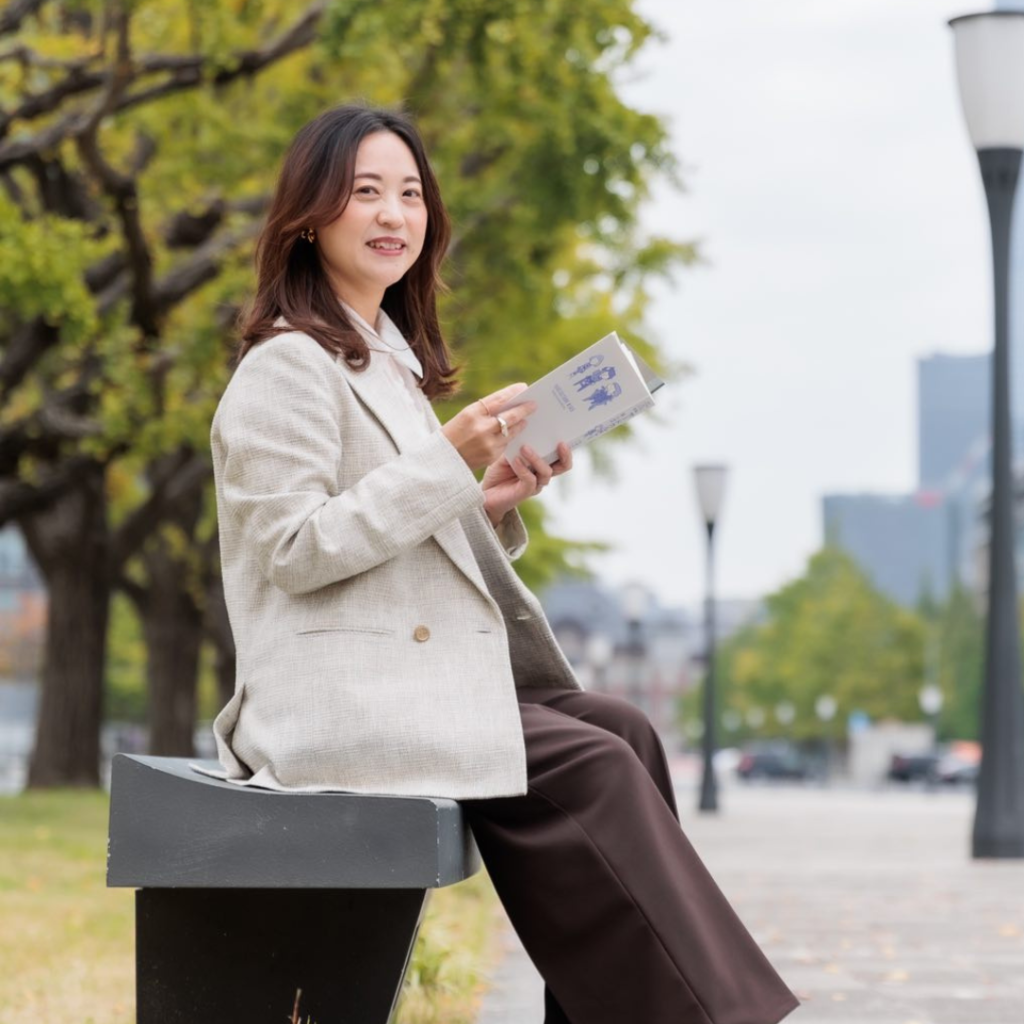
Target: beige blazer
381	631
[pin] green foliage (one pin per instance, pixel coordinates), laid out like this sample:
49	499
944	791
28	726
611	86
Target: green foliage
125	685
41	264
541	163
831	632
550	557
828	632
125	696
961	659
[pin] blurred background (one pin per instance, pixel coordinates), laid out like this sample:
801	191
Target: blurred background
783	212
778	204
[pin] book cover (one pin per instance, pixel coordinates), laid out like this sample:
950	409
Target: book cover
605	385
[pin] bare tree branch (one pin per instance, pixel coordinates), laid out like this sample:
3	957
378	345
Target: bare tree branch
104	271
176	478
13	190
122	187
15	13
80	78
187	230
62	417
138	594
28	343
203	265
185	73
29	58
77	80
62	191
19	498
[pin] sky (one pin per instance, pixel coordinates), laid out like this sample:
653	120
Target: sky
836	198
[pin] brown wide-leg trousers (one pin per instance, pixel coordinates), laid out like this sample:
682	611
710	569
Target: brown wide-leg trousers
610	900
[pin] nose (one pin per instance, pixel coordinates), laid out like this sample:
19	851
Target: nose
390	211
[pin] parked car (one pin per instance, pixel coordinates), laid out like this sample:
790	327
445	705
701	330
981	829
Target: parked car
727	759
772	760
952	764
913	767
959	764
954	772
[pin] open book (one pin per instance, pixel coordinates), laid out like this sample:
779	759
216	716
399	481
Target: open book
603	386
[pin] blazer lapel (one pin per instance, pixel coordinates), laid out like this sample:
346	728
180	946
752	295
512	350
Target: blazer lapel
376	392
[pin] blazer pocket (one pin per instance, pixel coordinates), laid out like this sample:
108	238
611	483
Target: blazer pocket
357	630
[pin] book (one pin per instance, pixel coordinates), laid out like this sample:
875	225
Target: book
605	385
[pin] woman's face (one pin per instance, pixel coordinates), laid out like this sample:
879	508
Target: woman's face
379	234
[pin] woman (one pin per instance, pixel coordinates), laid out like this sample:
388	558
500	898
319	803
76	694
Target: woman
384	642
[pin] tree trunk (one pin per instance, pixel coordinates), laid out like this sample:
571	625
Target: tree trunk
225	666
70	543
172	622
172	627
218	630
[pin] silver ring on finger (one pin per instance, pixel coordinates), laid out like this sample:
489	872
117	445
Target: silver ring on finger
503	424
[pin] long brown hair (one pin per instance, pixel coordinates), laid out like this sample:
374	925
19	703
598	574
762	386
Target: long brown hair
313	188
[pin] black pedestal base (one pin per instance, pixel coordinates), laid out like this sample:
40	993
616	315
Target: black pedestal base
241	954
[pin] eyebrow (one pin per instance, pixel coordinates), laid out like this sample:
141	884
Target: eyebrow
377	177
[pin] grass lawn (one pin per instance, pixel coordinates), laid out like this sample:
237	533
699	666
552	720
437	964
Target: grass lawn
66	941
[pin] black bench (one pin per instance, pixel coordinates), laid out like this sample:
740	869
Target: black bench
246	896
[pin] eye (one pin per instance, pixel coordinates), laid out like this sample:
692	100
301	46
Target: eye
366	190
414	192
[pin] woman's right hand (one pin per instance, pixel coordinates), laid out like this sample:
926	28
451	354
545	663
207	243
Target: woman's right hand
475	432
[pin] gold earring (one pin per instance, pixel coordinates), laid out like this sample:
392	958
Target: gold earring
309	235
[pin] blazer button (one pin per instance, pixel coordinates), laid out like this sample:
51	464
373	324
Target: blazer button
421	633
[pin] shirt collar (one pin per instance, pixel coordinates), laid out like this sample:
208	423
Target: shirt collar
385	337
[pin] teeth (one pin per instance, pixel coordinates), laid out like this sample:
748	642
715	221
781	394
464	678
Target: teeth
386	245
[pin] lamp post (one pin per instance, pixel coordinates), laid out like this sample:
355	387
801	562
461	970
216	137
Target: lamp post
785	713
825	708
635	602
931	701
710	481
990	71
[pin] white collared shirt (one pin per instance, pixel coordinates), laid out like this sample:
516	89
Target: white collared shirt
399	362
386	337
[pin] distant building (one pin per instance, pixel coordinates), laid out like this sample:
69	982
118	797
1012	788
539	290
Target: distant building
953	412
650	659
646	660
906	543
900	542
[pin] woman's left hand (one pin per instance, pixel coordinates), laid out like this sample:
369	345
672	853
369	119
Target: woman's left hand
505	486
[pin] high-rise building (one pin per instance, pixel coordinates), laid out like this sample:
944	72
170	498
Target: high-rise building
908	543
953	412
899	541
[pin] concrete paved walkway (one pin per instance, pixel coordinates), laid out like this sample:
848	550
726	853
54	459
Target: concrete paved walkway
868	904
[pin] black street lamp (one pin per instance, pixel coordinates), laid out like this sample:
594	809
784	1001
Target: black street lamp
710	482
990	71
635	603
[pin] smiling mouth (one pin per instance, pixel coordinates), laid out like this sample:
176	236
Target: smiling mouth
387	246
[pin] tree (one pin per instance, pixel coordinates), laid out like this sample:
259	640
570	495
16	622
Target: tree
92	277
136	159
961	664
828	632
